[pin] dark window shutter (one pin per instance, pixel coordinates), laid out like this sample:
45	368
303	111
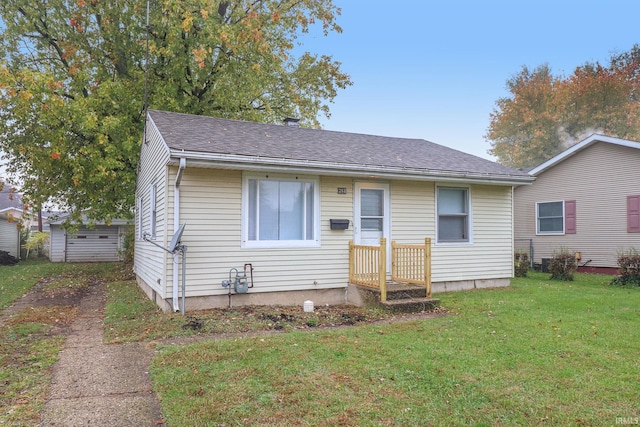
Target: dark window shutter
633	214
570	217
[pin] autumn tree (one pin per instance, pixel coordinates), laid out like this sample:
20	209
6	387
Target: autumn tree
546	114
72	78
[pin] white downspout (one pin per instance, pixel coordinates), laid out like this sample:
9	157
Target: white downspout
176	225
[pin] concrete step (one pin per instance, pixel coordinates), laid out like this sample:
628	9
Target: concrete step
411	305
404	291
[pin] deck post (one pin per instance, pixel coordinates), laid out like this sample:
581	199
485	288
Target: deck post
351	269
382	269
427	265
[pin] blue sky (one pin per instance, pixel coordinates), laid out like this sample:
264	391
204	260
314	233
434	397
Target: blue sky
434	69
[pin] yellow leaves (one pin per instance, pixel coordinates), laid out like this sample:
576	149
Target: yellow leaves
187	23
275	16
199	55
224	37
255	67
25	95
204	13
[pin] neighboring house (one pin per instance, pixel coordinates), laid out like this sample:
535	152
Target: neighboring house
587	200
11	218
97	243
9	235
11	203
266	195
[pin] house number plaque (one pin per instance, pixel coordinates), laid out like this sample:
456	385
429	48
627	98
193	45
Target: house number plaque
342	190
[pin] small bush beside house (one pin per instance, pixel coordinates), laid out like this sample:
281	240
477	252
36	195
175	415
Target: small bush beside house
629	268
520	264
563	265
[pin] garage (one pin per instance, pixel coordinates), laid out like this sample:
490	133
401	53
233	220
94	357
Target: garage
100	243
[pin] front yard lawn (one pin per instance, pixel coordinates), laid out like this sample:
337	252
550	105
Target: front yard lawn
538	353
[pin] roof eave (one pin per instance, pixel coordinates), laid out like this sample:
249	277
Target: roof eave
256	163
579	147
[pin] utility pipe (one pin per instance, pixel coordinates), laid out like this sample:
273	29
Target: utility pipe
176	225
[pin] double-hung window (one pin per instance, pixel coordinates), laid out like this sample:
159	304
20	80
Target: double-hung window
550	217
280	211
453	214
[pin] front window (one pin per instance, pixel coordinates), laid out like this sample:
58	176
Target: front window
550	218
280	212
453	214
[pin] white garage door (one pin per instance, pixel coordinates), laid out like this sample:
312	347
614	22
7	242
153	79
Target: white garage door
93	245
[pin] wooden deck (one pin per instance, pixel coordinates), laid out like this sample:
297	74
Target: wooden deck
410	265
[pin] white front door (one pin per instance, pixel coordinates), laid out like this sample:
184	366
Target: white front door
371	217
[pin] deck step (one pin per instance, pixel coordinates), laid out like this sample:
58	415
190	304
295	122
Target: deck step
411	305
405	291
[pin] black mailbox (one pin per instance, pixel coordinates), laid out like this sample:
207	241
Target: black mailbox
339	224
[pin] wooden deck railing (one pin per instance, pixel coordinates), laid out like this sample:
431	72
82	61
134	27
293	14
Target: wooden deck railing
412	264
368	266
409	264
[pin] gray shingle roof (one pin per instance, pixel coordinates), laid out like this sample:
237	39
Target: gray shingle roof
10	198
202	134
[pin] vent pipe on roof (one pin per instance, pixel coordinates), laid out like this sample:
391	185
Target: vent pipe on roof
289	121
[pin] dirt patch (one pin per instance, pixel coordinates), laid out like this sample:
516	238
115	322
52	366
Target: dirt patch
43	304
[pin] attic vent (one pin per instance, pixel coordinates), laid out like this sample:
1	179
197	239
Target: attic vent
289	121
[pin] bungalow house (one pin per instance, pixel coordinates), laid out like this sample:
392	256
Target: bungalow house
282	204
587	200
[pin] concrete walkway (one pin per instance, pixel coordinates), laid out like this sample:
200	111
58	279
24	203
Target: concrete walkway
95	384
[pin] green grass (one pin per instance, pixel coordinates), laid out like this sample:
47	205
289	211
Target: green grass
538	353
31	339
16	280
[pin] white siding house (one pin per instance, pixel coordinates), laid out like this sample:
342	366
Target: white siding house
9	236
587	200
266	195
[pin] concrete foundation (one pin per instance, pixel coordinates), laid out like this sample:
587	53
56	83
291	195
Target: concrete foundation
336	296
465	285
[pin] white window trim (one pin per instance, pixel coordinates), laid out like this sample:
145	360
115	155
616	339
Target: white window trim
153	214
469	241
273	244
550	233
139	218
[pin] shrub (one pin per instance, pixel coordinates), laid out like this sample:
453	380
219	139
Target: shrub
128	245
563	265
521	263
37	242
629	268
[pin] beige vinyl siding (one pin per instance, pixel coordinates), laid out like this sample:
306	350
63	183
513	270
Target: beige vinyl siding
412	211
489	255
150	261
599	178
211	205
9	238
